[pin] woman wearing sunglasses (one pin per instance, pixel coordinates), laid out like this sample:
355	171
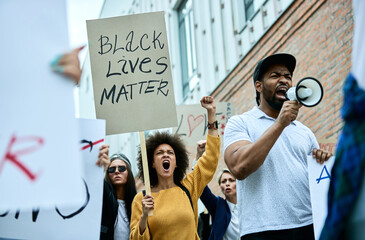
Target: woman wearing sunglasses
119	191
174	195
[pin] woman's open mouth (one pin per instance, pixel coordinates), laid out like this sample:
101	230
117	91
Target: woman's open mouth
166	164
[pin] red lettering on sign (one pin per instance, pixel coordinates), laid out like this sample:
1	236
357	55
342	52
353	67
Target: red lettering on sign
92	144
13	156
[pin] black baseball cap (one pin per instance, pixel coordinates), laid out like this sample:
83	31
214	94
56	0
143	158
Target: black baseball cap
280	58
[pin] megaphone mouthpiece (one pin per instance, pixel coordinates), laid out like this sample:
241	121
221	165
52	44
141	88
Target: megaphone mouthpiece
304	92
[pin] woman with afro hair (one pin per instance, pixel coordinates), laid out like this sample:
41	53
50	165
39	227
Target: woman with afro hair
175	213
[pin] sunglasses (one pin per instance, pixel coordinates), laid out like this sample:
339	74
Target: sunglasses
120	169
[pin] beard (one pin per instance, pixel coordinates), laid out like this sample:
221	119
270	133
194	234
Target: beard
271	100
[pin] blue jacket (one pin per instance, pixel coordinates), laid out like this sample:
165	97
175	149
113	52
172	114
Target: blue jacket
221	214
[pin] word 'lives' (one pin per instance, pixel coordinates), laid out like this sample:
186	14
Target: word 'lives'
130	66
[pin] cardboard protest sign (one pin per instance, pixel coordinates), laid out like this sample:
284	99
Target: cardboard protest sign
38	131
319	176
328	145
131	72
80	221
193	121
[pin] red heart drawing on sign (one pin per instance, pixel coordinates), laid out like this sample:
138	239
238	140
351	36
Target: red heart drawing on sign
194	122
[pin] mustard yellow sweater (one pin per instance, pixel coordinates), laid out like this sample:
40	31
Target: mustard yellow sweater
173	218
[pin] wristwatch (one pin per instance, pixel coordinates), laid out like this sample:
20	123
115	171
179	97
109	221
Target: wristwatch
213	125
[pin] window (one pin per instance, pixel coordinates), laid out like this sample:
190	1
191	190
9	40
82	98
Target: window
187	45
249	9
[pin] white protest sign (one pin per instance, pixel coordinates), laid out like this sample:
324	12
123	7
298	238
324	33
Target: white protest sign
193	121
319	179
74	222
131	72
38	131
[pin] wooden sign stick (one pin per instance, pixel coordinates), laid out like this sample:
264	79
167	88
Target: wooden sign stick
146	175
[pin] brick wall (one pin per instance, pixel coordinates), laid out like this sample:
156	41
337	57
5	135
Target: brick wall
319	35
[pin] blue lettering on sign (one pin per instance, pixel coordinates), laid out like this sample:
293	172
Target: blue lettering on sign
327	176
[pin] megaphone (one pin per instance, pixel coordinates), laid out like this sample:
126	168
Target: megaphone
308	92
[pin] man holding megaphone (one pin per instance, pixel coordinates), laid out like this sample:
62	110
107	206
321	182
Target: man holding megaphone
266	149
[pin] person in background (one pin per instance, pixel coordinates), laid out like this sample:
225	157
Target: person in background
174	195
224	212
119	191
266	149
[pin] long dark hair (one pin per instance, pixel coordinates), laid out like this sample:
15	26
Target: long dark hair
129	189
181	154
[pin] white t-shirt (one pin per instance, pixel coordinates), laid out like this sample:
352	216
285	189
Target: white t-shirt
121	226
276	196
233	230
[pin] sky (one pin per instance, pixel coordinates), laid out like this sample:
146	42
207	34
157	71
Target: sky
78	12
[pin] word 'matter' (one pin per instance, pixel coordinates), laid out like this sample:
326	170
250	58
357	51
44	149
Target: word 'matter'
127	90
